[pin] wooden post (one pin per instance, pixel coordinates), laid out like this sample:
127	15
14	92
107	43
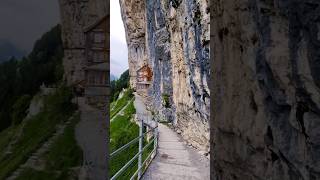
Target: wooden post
140	148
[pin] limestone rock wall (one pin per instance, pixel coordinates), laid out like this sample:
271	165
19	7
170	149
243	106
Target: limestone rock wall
76	15
172	36
133	15
266	96
92	130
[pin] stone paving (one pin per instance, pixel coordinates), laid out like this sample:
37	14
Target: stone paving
175	159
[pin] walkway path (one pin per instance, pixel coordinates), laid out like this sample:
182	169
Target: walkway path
175	160
91	136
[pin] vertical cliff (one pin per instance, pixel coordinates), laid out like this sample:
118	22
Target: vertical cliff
266	96
76	16
172	37
92	130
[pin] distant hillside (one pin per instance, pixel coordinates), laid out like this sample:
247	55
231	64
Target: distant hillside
113	77
8	50
23	77
119	84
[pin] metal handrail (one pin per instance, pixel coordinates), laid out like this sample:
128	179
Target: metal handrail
139	154
129	143
134	175
130	162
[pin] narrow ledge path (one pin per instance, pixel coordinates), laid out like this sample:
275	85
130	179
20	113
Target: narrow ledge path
174	160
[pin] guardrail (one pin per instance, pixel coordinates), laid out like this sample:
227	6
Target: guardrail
149	158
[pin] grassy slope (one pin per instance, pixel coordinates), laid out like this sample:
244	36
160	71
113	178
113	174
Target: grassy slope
63	155
35	131
122	131
120	103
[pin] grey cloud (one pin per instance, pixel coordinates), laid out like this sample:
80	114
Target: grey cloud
23	22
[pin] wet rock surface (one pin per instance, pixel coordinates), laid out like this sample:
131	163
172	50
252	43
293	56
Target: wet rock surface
266	117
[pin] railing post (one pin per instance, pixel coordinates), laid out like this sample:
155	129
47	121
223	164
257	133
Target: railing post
140	148
155	139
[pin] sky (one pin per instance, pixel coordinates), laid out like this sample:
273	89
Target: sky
118	45
24	21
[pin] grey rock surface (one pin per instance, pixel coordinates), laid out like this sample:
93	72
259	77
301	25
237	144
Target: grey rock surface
266	78
172	37
76	16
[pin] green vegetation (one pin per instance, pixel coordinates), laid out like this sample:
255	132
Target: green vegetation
34	131
19	137
21	79
166	100
116	86
32	174
20	109
63	155
122	131
121	102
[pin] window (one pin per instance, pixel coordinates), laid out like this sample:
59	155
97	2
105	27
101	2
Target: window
99	37
98	56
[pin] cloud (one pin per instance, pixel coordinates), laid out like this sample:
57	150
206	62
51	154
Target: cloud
23	22
118	56
118	46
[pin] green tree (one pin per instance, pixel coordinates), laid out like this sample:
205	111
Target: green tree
21	77
20	108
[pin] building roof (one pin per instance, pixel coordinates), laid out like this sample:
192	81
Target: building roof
144	67
92	26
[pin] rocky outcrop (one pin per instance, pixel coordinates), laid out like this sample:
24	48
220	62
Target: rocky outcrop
266	79
172	37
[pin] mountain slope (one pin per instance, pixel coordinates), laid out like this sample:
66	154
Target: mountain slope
8	50
24	77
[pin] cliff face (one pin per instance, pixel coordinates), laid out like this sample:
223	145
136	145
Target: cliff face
76	15
266	96
172	37
91	132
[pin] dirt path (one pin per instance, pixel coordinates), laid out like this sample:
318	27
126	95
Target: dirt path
91	135
175	160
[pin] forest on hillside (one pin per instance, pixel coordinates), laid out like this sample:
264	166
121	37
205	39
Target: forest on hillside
116	86
20	79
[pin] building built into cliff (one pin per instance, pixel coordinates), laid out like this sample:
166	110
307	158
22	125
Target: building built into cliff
97	64
144	78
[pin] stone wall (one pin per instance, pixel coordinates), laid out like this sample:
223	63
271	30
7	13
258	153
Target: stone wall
173	38
266	79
